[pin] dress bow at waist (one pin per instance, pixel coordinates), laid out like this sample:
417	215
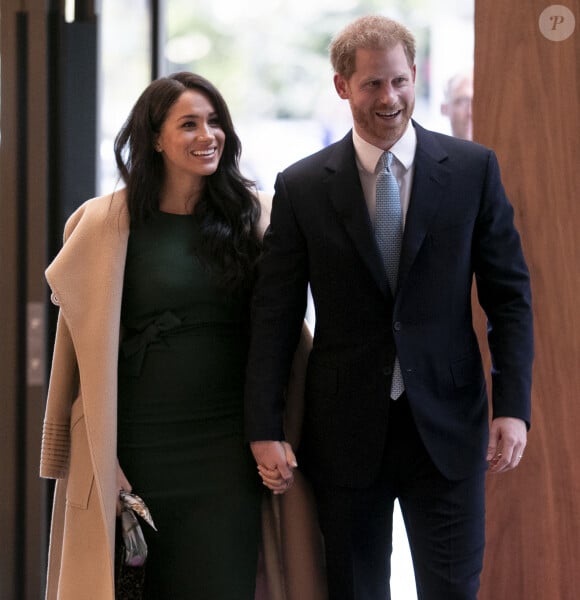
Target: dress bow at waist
135	346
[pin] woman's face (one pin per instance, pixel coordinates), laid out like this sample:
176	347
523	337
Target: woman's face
191	139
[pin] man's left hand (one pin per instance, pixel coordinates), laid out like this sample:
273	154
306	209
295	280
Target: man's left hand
507	442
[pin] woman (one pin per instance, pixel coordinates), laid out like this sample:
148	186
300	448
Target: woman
153	284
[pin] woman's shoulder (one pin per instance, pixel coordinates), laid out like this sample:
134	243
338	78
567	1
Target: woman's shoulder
97	210
265	200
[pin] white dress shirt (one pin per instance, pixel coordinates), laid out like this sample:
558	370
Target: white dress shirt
367	159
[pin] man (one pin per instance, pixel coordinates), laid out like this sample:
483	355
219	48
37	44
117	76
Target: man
457	105
395	399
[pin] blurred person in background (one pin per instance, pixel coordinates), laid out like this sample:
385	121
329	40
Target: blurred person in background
456	105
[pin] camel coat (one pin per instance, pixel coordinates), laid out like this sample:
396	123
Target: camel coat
80	425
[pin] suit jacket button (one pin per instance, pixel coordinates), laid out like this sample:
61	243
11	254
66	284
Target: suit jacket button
397	326
387	371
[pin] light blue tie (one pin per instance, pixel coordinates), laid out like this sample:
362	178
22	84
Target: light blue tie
389	235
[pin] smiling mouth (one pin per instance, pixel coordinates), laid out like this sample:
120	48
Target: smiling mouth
204	153
389	115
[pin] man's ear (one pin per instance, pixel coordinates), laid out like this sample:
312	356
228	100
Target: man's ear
341	86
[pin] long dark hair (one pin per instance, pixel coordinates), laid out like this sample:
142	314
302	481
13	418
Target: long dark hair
228	209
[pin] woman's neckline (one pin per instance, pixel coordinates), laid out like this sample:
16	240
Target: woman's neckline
174	214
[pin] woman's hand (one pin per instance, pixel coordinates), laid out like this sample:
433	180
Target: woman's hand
276	463
122	484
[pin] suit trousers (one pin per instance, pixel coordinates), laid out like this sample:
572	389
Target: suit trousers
445	523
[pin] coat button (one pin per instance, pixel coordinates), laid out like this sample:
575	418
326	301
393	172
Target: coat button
397	326
387	371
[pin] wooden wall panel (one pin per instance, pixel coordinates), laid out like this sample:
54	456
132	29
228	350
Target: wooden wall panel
527	107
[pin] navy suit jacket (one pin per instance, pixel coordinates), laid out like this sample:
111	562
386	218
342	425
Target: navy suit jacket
459	224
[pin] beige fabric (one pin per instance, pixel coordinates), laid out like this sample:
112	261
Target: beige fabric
266	208
79	433
293	548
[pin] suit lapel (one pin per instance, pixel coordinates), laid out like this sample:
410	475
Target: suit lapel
429	183
348	200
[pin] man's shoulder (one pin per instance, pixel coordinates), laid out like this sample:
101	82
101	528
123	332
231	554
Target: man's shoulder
427	138
321	158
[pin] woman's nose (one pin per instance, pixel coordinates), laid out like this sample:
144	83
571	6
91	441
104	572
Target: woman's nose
204	133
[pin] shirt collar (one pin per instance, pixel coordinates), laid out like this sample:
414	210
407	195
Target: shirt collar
403	150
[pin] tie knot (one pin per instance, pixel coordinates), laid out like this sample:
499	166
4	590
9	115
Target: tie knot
386	160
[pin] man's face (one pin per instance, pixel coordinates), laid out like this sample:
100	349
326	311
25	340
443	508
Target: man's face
381	94
458	109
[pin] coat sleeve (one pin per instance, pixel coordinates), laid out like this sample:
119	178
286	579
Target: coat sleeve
503	287
62	390
278	309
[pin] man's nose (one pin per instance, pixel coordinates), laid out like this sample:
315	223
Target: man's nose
388	94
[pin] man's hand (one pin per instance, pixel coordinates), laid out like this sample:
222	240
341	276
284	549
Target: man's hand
276	463
507	442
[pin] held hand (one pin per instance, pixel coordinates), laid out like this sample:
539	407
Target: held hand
122	484
507	442
290	456
276	462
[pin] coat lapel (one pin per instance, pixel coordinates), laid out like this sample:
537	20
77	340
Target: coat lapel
86	279
429	183
347	197
91	261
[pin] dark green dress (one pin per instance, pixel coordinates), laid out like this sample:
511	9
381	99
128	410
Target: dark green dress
180	439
